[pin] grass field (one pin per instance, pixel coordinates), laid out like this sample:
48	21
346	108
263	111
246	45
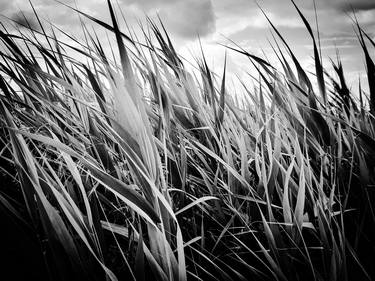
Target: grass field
132	167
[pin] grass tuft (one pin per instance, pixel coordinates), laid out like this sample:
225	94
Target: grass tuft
134	167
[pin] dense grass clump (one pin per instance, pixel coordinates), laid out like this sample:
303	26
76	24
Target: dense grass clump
140	169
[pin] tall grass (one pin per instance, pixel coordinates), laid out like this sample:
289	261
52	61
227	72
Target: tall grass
137	168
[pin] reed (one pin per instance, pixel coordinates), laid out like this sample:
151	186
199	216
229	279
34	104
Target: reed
132	166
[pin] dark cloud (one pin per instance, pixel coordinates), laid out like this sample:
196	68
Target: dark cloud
358	5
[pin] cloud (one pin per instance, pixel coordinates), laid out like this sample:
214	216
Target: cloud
357	5
148	5
21	12
190	18
183	18
6	5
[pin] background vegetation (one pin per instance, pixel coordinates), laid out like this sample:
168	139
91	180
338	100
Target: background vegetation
133	167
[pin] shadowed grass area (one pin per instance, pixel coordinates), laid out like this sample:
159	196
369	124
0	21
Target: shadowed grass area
134	167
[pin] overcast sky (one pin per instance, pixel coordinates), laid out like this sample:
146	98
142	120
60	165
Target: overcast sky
239	20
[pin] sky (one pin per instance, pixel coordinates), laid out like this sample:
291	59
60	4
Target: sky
218	22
